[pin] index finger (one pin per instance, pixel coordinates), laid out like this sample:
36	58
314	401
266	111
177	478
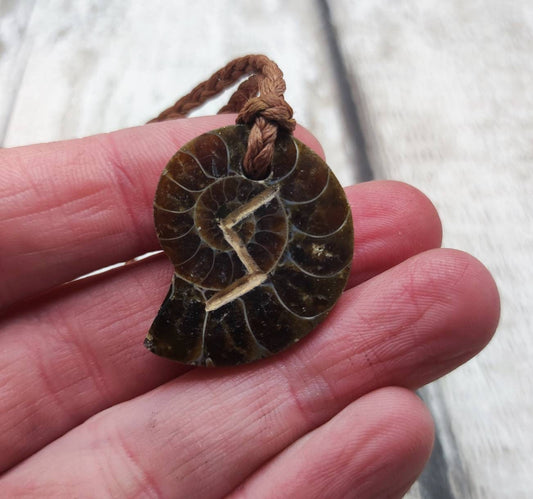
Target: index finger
69	208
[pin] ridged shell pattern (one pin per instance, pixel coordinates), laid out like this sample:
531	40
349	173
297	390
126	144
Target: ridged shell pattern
301	239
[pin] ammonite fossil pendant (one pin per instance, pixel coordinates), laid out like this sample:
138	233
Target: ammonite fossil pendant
257	263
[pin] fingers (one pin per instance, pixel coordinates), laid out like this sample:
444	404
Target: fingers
376	447
392	221
76	356
81	352
69	208
405	327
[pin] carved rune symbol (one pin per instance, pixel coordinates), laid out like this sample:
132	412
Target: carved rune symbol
255	275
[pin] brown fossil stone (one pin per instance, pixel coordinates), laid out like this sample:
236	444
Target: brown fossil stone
257	263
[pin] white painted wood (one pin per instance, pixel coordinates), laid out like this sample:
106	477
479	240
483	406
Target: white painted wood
102	65
14	50
447	94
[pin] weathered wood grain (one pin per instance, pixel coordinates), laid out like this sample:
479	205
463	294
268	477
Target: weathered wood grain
104	65
15	46
446	92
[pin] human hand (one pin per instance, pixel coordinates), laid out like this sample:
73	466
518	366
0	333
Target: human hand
86	411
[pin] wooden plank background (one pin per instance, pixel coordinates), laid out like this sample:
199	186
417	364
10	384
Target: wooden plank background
438	94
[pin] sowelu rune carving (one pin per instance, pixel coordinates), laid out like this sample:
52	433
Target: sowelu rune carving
257	263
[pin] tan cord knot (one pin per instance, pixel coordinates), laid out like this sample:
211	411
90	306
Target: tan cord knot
272	108
264	113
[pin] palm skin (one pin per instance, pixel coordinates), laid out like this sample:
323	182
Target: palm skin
86	411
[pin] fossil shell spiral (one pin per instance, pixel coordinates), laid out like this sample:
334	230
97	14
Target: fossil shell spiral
257	263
